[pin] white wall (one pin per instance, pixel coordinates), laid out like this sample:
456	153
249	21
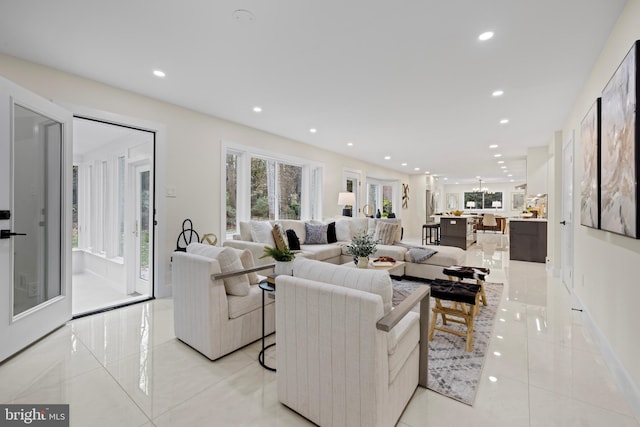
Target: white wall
605	272
193	152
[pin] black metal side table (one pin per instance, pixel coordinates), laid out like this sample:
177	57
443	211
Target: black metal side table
266	287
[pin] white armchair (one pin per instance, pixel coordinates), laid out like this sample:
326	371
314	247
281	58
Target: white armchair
208	319
344	357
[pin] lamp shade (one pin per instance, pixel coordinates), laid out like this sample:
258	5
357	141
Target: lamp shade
346	198
471	204
496	204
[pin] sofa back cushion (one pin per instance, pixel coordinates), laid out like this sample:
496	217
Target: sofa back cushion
385	232
262	232
229	261
295	225
373	281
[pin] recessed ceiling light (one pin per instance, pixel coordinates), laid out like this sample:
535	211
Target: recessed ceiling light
497	155
505	171
497	93
493	146
445	178
403	164
313	130
510	175
485	36
159	73
477	176
503	167
512	180
457	183
427	172
387	157
435	174
350	144
257	109
504	121
416	169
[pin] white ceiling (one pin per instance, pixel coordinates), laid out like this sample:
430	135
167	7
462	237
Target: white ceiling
407	79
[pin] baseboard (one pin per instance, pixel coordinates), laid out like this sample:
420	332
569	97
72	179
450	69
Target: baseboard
621	376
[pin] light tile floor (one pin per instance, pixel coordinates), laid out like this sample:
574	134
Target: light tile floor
126	368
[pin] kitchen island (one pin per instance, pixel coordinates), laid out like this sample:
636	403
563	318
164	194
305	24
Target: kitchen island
528	239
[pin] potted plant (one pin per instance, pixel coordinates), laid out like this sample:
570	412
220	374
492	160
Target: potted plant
361	247
283	257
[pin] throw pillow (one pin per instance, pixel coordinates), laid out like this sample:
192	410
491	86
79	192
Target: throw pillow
316	234
246	258
331	233
385	233
294	242
229	261
261	232
280	237
245	231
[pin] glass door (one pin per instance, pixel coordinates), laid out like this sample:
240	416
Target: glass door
35	221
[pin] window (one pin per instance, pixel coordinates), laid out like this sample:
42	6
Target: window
482	200
231	191
259	186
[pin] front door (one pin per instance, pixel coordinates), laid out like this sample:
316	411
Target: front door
35	221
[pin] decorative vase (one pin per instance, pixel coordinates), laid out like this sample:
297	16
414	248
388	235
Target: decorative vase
363	262
284	267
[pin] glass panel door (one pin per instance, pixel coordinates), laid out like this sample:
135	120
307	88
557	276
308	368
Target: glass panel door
36	168
35	217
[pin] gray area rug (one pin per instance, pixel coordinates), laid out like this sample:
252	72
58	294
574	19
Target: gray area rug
453	371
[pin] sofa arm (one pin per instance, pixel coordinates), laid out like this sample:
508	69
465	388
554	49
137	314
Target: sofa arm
420	295
220	276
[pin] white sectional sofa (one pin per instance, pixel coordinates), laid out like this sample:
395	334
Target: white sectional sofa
254	235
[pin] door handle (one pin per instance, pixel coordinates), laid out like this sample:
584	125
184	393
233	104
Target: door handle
5	234
563	222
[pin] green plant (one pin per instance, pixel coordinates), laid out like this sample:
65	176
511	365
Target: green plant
362	245
278	254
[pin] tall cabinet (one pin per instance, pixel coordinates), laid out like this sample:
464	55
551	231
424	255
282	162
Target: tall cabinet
457	231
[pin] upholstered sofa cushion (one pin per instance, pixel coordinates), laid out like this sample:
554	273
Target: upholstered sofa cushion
385	232
373	281
321	252
239	306
229	261
262	232
446	256
295	225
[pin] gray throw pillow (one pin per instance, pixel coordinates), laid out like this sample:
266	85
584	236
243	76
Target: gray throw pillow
316	234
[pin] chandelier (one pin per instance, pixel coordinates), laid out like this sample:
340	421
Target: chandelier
480	188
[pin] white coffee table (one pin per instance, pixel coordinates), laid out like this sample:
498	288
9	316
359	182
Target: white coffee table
396	269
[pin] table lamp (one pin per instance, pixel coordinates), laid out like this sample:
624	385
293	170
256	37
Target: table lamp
496	204
471	205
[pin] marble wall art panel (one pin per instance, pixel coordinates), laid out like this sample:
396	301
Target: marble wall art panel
590	184
619	169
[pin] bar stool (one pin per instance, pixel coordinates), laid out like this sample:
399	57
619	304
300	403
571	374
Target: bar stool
431	233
